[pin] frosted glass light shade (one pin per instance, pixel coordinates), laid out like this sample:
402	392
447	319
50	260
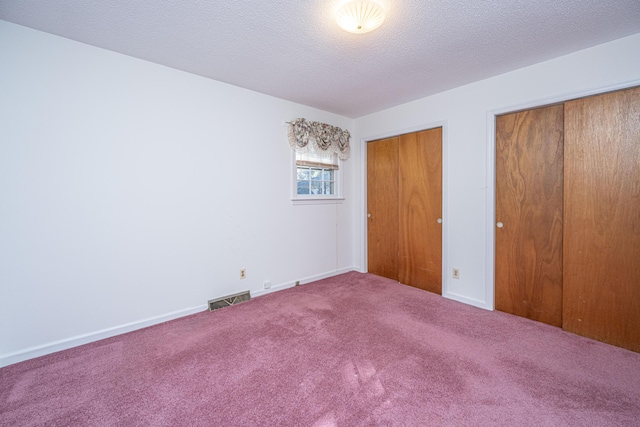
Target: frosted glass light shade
360	16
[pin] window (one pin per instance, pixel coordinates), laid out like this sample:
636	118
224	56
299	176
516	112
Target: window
317	147
317	176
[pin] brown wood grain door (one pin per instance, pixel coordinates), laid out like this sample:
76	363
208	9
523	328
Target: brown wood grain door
382	207
602	218
529	203
420	207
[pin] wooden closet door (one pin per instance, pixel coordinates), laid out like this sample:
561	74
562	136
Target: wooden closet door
382	207
602	218
529	199
420	204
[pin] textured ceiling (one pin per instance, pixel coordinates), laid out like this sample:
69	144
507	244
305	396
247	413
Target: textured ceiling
295	50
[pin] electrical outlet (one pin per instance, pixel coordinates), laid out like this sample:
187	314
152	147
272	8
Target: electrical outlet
267	284
243	273
455	273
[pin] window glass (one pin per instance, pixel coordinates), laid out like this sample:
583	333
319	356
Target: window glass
316	174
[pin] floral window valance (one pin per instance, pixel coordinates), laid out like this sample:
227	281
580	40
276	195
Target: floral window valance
306	136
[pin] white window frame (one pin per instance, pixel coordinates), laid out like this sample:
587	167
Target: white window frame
313	199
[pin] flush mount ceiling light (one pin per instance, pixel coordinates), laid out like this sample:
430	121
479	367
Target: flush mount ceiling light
360	16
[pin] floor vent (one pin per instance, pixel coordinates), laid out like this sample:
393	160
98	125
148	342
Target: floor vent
234	299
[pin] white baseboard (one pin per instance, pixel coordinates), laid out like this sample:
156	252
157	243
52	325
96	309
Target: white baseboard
302	281
65	344
469	301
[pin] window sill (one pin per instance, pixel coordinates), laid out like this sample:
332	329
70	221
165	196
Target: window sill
316	200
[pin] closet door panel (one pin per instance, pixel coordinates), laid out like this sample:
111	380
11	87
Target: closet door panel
602	218
382	207
529	199
420	202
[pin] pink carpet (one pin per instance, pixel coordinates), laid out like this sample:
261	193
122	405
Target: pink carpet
353	350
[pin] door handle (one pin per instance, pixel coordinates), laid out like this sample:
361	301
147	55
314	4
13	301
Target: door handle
499	224
439	220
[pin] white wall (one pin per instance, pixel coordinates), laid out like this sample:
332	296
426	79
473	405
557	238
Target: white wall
131	193
467	114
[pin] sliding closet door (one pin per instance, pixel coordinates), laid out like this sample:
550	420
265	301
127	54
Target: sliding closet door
420	205
382	207
602	218
404	204
529	198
